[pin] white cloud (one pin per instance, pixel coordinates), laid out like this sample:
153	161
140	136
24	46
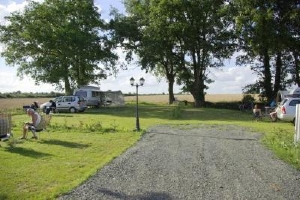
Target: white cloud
230	80
9	82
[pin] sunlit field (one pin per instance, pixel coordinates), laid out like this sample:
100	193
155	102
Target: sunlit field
20	102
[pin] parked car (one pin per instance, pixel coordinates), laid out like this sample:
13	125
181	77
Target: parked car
287	109
70	103
44	106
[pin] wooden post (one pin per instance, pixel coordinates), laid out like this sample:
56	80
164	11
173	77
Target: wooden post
297	124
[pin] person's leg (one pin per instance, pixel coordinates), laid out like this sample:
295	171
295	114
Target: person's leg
25	130
33	130
274	116
48	109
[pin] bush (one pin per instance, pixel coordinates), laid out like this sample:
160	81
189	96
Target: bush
222	105
177	110
247	98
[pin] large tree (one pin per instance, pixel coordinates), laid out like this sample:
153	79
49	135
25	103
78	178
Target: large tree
206	37
183	38
60	42
146	40
269	40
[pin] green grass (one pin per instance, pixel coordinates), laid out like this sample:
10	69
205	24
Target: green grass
75	146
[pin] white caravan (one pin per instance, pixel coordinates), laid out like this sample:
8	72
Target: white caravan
97	98
91	94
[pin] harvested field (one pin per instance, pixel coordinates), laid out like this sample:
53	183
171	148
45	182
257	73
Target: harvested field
20	102
189	98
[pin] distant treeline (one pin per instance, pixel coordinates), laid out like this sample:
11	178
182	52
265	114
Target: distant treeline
19	94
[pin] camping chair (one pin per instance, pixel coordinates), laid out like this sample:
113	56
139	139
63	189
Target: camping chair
45	120
5	127
256	116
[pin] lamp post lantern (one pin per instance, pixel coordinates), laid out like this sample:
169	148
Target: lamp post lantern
141	83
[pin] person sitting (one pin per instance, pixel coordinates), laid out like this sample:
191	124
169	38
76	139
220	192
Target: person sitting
273	115
34	105
256	112
33	125
51	108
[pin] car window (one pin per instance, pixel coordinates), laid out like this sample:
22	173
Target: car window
294	102
68	99
58	99
283	102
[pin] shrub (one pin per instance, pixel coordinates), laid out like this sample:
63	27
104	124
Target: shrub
222	105
247	98
177	110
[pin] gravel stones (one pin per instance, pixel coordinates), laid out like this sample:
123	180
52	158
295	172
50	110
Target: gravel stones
173	162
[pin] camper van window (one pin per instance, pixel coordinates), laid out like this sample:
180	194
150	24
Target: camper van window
95	94
81	93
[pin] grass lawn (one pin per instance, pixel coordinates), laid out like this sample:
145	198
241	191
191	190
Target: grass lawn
76	145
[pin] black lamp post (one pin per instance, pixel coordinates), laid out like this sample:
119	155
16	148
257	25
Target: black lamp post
142	81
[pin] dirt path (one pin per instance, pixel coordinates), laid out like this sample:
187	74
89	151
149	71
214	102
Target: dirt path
194	162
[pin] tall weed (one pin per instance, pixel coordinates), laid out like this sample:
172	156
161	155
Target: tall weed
176	112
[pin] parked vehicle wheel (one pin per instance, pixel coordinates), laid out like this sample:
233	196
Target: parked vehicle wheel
72	110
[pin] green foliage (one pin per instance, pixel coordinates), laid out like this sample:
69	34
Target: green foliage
176	112
247	98
180	40
282	143
267	36
223	105
58	42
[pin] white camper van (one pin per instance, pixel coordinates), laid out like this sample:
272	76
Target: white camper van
91	94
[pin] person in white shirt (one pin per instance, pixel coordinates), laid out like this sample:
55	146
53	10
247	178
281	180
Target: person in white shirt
33	125
257	111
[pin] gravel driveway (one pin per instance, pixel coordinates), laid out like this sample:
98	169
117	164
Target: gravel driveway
194	162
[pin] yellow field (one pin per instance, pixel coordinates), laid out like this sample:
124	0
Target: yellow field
189	98
20	102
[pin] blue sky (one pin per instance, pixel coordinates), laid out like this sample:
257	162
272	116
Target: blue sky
228	80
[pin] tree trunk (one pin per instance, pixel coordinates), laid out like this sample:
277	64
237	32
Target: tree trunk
267	73
198	98
277	74
171	92
68	89
297	68
198	94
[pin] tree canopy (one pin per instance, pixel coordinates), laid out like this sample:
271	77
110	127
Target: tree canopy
66	43
61	42
182	39
268	35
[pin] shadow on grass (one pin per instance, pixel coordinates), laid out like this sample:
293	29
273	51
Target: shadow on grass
3	196
27	152
63	115
166	112
64	143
